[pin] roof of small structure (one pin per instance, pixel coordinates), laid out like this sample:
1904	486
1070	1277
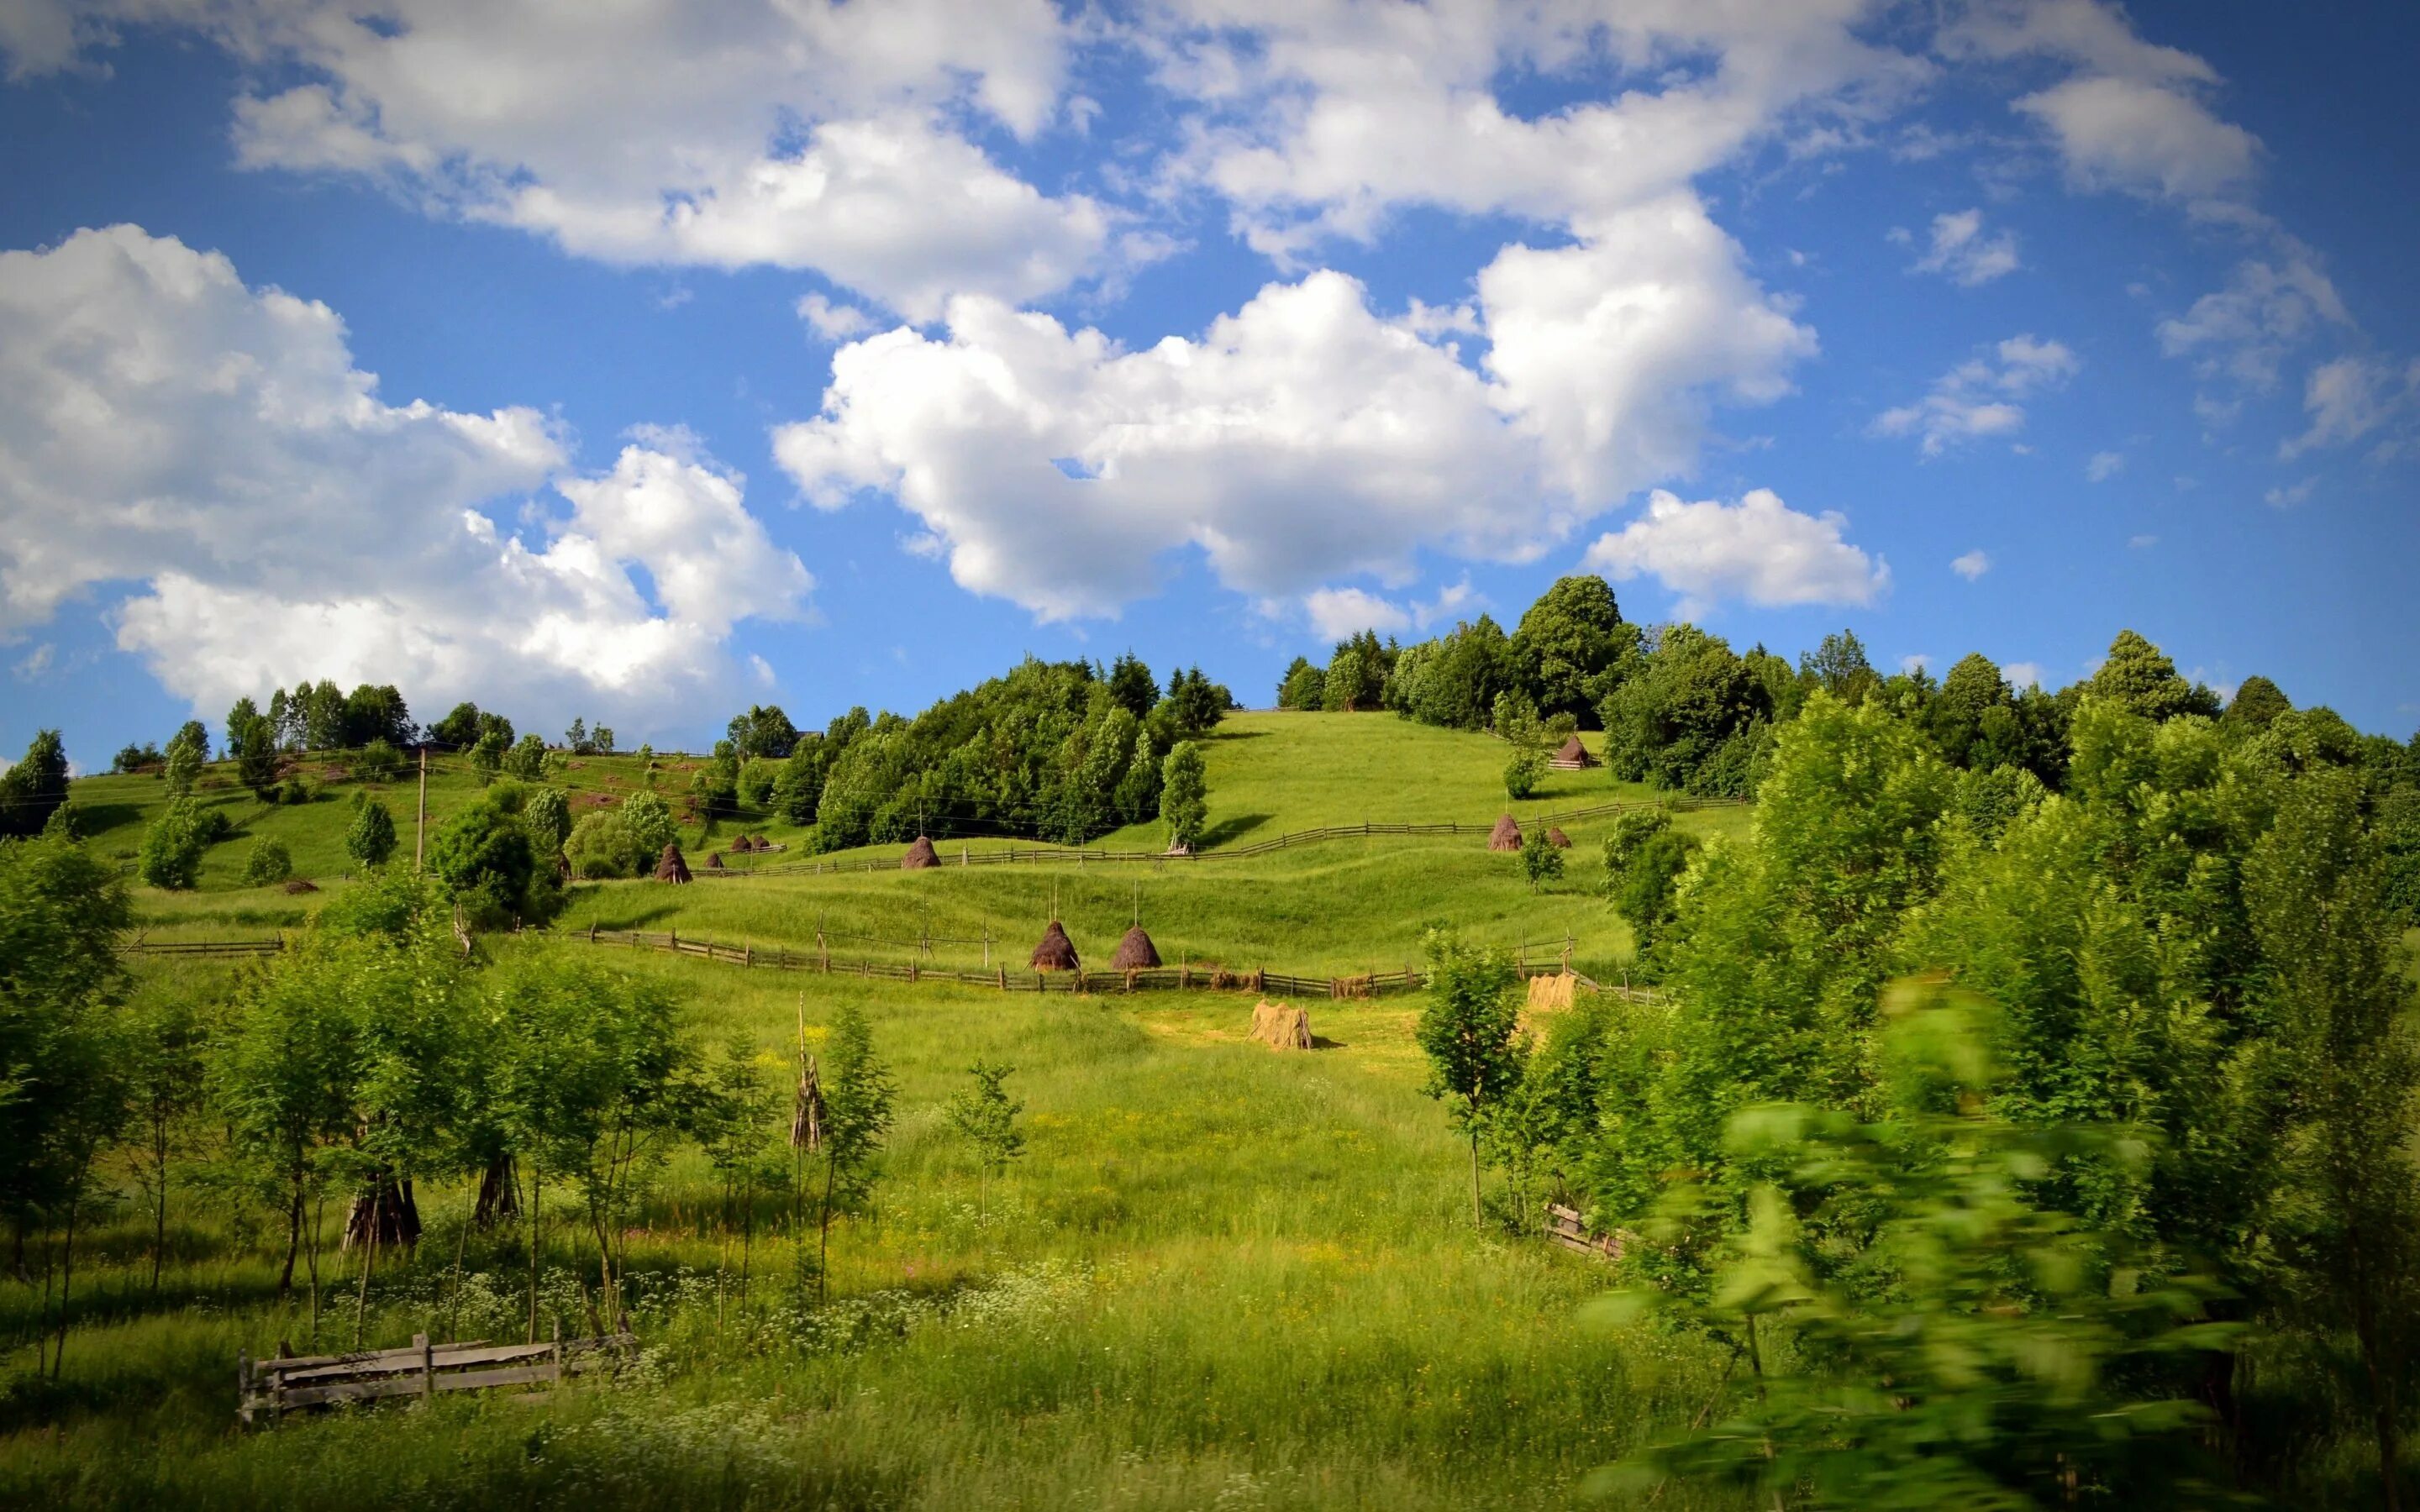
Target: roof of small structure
1506	836
1056	952
920	856
1135	952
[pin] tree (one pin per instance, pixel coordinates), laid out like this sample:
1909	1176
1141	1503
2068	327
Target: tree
1979	1349
379	762
1454	679
575	739
547	814
2139	678
984	1115
1541	859
378	713
34	787
1340	691
858	1093
601	739
162	1053
1194	703
254	745
267	863
1184	795
462	728
526	760
1644	891
1689	719
1567	645
2257	700
239	721
762	730
1841	667
1132	684
488	862
1304	687
1468	1031
487	754
370	837
172	847
184	766
1524	772
2315	891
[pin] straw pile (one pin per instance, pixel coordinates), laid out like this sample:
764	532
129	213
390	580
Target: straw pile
1135	952
1056	952
1506	836
1553	992
1560	840
1573	756
1280	1027
920	856
714	861
671	868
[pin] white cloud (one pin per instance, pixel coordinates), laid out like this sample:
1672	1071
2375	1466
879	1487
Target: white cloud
1338	612
2104	466
33	664
819	133
1972	566
2142	542
2288	497
1915	662
2243	330
1302	438
2023	674
1962	254
1977	397
835	322
1759	550
161	422
2349	399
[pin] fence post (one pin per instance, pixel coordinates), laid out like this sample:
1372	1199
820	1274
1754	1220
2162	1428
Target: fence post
427	1367
558	1354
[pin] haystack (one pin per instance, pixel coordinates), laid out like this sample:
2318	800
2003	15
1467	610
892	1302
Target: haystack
1573	756
714	862
744	844
1553	991
1280	1027
920	856
1135	952
672	867
1056	952
1506	836
1560	840
301	885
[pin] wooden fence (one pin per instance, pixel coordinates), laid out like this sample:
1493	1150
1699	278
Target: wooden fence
421	1369
1564	1228
1078	856
1203	978
142	947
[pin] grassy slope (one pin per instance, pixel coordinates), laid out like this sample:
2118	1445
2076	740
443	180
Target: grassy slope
1220	1275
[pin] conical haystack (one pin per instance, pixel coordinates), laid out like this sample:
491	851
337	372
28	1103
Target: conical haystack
1573	756
1506	836
1553	991
1560	840
1280	1027
672	867
714	862
1135	952
920	856
1056	952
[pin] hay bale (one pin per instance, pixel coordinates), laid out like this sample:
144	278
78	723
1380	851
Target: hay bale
1573	756
714	862
1135	952
1555	991
1056	952
1506	836
1280	1027
301	885
669	866
1560	840
920	856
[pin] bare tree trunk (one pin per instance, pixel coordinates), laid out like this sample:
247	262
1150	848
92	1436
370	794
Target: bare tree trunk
293	1243
159	1203
1477	1221
823	1245
499	1192
67	1283
532	1251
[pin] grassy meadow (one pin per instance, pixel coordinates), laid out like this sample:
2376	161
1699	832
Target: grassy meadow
1220	1275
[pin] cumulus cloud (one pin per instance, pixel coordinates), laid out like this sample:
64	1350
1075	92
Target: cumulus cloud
2104	466
1303	438
2023	674
162	424
1338	612
2289	497
1759	550
2243	332
1977	397
1961	252
2349	398
819	134
1972	566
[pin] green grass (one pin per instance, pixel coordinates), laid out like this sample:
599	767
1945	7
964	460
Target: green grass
1221	1277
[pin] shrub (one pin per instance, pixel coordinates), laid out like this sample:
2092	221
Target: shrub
1541	860
379	763
371	839
212	825
269	863
172	847
601	845
1524	772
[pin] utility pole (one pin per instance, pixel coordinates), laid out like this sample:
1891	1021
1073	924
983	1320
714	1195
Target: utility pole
420	830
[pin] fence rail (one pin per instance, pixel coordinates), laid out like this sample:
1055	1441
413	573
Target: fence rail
142	947
421	1369
1203	978
1564	1228
1081	855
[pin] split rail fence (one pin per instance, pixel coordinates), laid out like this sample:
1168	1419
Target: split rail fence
1564	1228
142	947
1039	855
1203	978
422	1369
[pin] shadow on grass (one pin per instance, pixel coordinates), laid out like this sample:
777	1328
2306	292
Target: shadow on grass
1227	829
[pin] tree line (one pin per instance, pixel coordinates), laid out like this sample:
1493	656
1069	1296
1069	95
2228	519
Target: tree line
2023	1142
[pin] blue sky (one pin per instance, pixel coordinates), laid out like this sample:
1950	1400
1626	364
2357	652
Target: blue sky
840	354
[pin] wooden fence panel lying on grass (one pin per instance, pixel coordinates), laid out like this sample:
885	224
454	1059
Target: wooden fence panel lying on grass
1564	1228
422	1369
140	947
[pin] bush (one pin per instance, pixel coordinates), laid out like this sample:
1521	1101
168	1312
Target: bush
547	814
212	825
1524	772
268	864
602	846
757	778
172	848
371	839
379	763
1541	860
